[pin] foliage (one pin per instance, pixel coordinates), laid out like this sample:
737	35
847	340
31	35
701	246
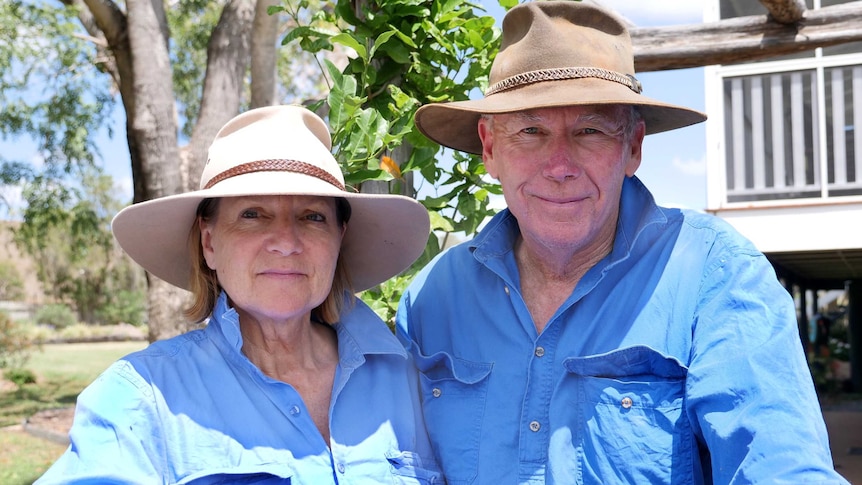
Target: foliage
19	376
14	345
126	306
53	88
11	283
407	53
57	316
50	88
66	233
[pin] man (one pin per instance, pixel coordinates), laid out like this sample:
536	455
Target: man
587	335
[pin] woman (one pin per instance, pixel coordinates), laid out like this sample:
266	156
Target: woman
293	379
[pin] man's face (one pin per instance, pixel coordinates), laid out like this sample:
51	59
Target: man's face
562	171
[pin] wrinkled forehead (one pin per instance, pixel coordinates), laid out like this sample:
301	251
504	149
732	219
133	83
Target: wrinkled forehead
610	115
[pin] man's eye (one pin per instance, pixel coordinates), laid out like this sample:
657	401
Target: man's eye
249	214
531	130
316	217
591	131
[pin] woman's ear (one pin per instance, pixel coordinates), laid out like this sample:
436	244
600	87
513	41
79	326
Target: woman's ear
206	242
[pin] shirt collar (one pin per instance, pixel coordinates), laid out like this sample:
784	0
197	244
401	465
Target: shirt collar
360	332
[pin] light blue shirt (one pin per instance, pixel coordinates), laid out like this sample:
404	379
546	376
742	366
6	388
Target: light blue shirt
675	360
194	409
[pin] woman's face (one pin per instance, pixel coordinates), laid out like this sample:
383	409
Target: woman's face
274	255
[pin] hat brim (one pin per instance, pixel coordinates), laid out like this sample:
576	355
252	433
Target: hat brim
385	234
455	124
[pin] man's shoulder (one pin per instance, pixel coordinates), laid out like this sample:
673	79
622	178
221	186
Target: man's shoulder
721	232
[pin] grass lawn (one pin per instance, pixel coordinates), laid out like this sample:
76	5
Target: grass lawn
62	371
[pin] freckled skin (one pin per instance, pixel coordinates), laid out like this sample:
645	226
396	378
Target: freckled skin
562	171
275	256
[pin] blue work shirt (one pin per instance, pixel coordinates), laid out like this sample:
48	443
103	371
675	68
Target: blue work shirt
675	360
194	409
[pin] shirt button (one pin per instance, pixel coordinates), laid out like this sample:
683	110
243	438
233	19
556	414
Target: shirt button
294	410
627	402
540	351
436	392
506	289
535	426
341	468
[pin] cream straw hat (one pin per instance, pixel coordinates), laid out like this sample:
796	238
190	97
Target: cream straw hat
276	150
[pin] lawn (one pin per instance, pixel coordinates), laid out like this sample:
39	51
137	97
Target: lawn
62	371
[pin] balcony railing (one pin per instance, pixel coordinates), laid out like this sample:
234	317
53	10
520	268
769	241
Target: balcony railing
793	134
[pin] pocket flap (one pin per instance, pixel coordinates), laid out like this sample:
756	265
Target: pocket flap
627	362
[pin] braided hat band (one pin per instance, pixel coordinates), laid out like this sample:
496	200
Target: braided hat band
561	74
276	165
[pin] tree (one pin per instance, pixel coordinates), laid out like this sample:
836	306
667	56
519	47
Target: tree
11	284
181	74
66	233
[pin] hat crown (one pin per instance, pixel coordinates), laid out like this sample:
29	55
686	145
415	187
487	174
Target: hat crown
274	134
547	35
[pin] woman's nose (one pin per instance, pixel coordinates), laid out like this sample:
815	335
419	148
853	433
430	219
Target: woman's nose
285	237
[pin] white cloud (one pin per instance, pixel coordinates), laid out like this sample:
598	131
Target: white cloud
11	202
690	166
658	13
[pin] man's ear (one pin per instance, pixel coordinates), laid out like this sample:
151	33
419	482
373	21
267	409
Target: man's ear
635	149
486	135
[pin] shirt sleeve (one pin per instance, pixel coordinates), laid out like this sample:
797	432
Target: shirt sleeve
749	392
115	437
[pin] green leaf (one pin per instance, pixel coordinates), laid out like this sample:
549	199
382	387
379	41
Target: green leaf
350	41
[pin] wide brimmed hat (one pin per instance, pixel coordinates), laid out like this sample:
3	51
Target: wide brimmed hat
560	53
277	150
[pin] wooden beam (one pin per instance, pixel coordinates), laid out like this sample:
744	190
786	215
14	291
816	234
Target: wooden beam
744	39
785	11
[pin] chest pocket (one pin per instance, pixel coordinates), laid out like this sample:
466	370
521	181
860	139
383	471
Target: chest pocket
627	418
454	395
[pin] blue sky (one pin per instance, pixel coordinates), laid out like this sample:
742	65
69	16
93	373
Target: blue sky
674	164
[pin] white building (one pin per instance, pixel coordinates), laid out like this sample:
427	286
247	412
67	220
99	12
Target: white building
784	158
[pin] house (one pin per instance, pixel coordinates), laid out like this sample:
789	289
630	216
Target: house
784	158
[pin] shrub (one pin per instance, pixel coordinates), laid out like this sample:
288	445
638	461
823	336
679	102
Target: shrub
11	284
58	316
14	345
20	376
125	307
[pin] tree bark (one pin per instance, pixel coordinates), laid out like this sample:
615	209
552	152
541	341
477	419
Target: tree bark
263	55
227	63
744	39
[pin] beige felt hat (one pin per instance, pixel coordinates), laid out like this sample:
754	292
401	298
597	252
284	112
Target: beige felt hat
554	53
276	150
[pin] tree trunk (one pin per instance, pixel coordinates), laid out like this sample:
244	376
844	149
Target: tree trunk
138	43
263	55
227	63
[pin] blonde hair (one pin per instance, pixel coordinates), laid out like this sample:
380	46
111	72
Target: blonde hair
205	288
